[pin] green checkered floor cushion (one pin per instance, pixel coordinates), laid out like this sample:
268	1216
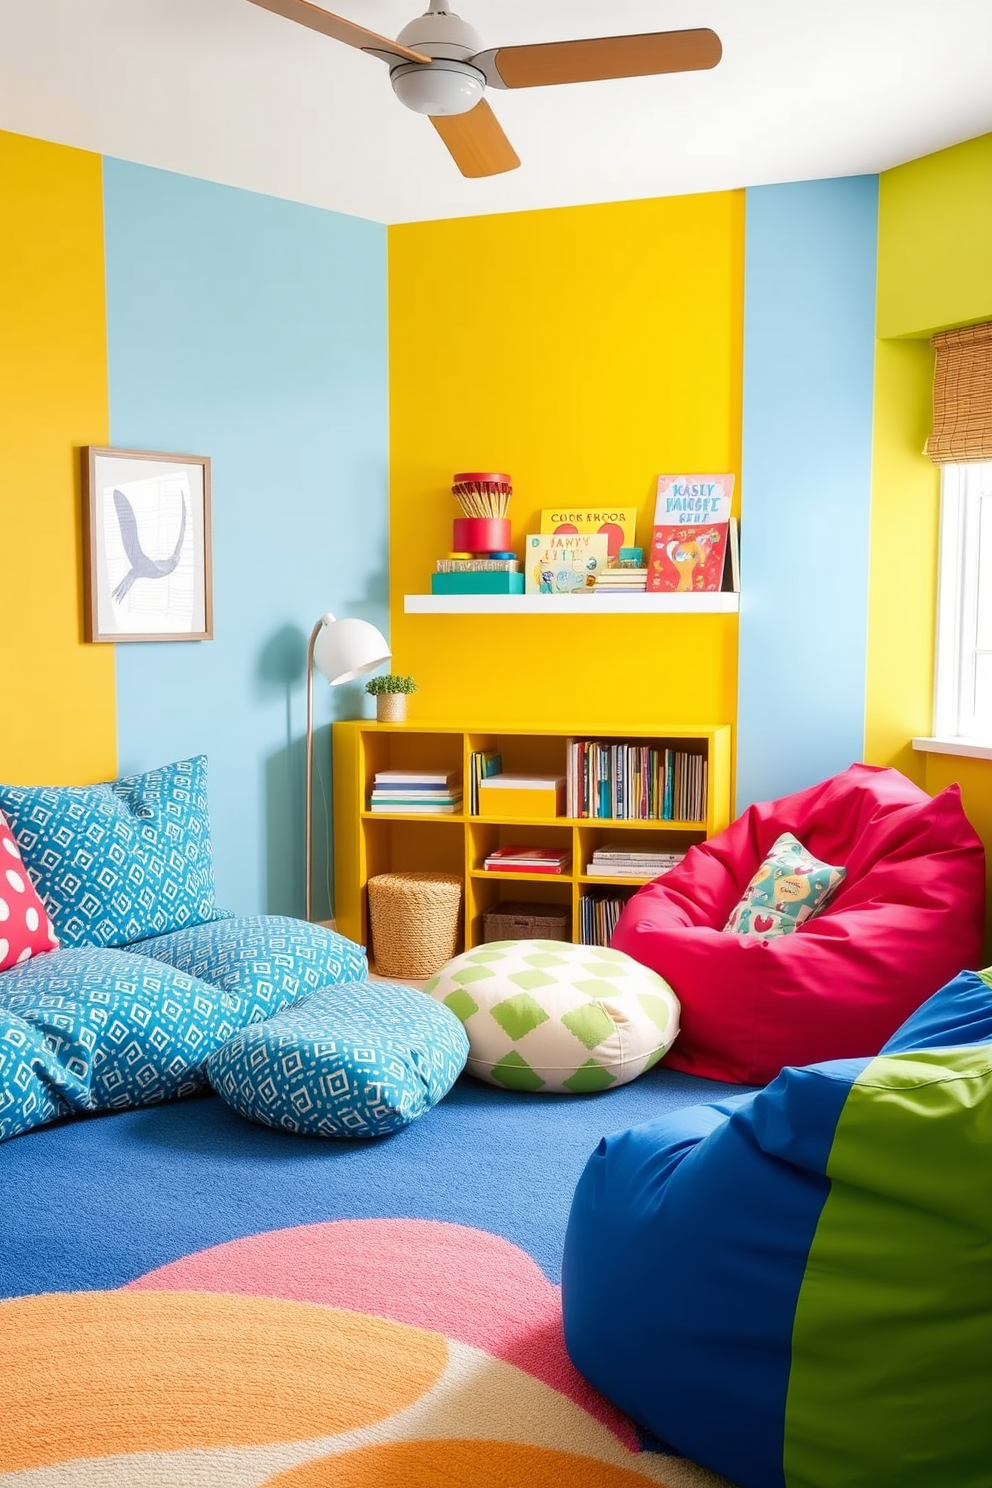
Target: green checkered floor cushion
544	1015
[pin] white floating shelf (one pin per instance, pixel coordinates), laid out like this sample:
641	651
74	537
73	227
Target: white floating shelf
571	604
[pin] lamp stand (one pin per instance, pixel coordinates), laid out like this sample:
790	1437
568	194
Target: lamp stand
308	897
347	649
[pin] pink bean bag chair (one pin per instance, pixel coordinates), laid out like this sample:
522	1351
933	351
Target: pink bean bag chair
908	916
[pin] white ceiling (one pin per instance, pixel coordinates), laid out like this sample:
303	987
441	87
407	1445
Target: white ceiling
223	90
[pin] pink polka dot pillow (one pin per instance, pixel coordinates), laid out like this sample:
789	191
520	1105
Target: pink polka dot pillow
25	929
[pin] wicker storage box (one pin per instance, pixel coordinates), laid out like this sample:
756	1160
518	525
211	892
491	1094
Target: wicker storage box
414	922
516	919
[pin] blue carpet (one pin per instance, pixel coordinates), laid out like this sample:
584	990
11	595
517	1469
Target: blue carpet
94	1203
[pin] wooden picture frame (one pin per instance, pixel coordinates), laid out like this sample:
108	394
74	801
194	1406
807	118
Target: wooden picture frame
146	546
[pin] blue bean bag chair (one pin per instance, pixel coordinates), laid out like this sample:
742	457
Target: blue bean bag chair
794	1287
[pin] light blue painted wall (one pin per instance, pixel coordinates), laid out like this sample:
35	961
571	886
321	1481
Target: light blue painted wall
809	316
252	330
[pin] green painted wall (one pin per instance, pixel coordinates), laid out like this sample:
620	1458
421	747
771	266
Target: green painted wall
935	241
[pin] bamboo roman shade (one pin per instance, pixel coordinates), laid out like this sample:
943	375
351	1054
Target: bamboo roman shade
962	395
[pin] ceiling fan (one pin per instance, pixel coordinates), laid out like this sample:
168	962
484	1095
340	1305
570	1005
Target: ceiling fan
437	66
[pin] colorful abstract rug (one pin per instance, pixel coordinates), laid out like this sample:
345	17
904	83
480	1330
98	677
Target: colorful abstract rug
193	1300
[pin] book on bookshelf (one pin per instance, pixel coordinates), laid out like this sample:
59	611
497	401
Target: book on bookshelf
617	523
620	849
427	798
689	539
631	781
415	808
416	777
621	581
518	858
478	565
563	562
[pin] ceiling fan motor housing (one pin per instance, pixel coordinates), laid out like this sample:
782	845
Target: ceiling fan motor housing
449	84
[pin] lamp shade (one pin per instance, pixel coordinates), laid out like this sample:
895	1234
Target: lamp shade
346	649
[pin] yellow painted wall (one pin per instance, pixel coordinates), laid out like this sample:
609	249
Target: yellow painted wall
935	244
53	398
902	594
583	350
934	270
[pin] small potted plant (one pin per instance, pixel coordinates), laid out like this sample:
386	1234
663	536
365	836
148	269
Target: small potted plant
390	693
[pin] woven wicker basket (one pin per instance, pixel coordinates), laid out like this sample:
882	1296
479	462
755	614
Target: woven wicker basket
414	919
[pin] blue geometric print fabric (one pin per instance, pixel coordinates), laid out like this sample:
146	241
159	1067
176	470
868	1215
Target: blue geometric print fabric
34	1086
265	961
360	1060
128	1030
118	862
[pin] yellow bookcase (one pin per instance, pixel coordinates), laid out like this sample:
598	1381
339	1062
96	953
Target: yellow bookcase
365	845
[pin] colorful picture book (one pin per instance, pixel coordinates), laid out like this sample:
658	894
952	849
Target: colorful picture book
564	562
518	858
690	537
618	523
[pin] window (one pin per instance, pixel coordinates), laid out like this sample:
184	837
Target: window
963	691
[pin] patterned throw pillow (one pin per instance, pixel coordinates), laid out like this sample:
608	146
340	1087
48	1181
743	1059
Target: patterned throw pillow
360	1060
789	886
35	1086
128	1030
25	929
264	962
117	862
548	1016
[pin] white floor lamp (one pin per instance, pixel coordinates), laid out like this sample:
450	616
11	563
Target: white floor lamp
341	650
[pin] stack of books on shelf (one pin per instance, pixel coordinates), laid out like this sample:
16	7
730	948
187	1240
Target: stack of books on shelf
521	859
621	581
426	792
598	916
627	860
482	765
629	781
577	548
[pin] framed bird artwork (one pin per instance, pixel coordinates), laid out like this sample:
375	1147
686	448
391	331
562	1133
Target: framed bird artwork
146	546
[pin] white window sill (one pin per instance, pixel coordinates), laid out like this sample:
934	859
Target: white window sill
969	748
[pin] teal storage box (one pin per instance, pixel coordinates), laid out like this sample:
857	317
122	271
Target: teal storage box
481	581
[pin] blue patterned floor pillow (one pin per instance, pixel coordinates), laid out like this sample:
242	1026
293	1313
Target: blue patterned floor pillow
267	961
359	1060
35	1086
128	1029
117	862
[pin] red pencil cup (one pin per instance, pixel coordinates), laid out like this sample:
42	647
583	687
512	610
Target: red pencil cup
481	534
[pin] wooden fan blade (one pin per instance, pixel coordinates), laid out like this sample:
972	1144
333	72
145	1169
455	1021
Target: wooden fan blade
597	58
476	141
319	19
